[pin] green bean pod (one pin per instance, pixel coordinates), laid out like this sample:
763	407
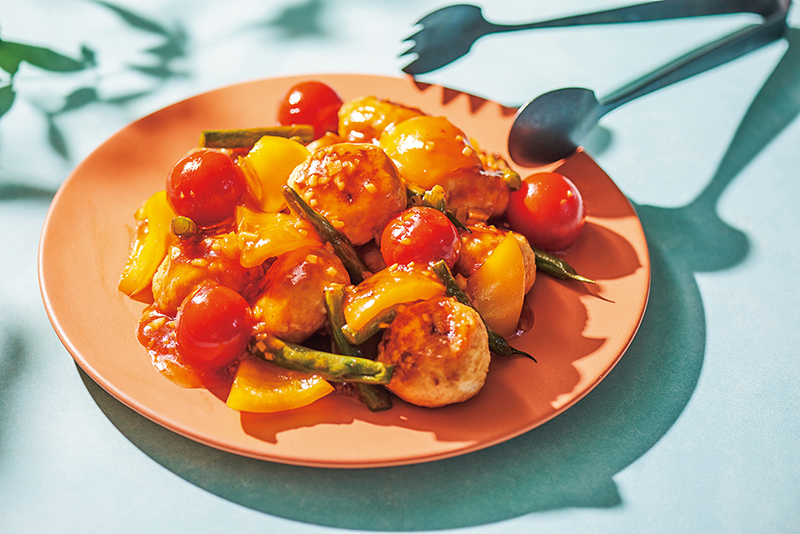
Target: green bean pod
332	367
375	325
375	396
247	137
434	198
556	267
341	245
183	228
497	343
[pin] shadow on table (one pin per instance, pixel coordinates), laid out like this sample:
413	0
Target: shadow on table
570	461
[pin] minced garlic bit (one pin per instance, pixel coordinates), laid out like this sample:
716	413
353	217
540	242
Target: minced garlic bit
467	151
372	188
312	258
337	223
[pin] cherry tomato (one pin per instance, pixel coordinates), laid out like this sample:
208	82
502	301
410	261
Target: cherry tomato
213	326
420	235
548	209
206	187
312	103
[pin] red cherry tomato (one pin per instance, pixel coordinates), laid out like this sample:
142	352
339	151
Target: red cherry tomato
213	326
206	187
312	103
548	209
420	235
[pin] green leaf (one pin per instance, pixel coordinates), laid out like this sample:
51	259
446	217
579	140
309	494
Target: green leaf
12	54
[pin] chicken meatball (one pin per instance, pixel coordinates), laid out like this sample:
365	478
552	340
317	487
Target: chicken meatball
440	350
189	264
364	119
292	303
353	185
430	151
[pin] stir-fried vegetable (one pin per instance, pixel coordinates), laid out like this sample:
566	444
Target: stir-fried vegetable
343	223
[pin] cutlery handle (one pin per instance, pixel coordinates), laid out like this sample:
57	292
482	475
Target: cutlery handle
700	60
652	11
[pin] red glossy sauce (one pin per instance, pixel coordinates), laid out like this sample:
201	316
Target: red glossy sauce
156	333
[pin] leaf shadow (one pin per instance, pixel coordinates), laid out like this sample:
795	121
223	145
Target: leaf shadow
13	361
173	45
297	21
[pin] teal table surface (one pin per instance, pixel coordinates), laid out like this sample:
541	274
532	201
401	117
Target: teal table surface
697	429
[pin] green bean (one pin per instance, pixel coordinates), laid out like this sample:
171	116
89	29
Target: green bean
183	227
341	245
334	297
332	367
375	396
512	179
373	326
555	266
247	137
434	198
497	343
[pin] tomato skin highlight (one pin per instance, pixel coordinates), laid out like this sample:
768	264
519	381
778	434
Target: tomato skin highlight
312	103
420	235
548	210
205	186
213	326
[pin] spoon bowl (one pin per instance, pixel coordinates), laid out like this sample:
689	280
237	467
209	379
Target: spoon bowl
552	126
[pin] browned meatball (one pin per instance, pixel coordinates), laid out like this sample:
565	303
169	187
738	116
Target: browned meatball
292	304
364	119
189	264
440	350
354	185
480	242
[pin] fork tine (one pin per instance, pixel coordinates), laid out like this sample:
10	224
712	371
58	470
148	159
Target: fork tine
414	36
410	50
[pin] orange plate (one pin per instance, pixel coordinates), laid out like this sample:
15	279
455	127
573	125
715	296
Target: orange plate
580	331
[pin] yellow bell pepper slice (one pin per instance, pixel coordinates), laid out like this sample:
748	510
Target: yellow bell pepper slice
389	287
149	247
268	235
498	287
262	387
267	167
